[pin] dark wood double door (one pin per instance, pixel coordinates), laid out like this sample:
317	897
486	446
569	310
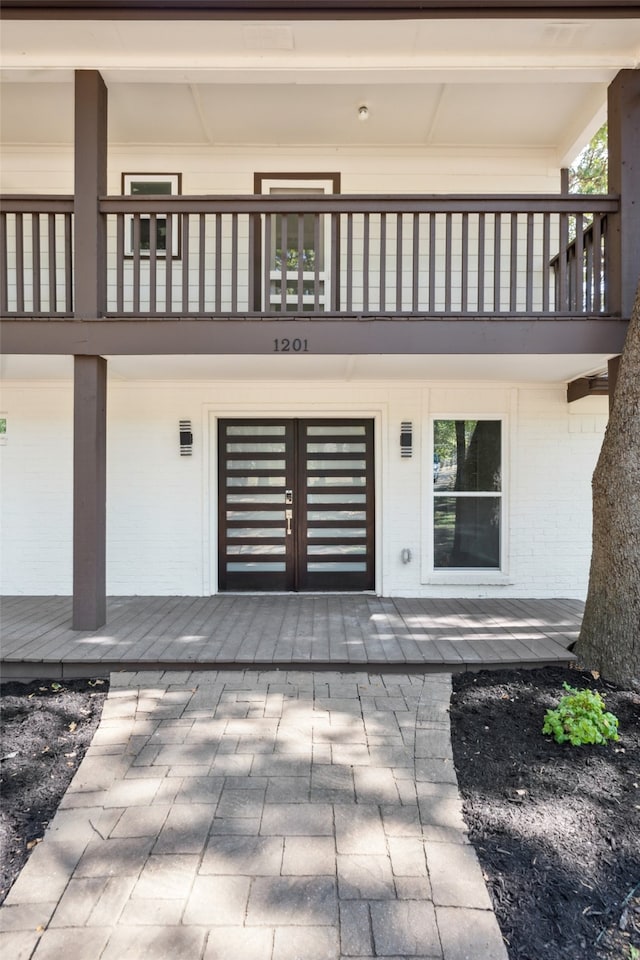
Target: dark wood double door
296	504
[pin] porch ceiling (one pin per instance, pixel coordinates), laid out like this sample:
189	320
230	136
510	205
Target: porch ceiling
337	368
443	83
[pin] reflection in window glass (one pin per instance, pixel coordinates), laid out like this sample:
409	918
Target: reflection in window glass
466	532
467	488
467	455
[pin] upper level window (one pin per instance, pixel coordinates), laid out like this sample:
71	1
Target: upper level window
296	245
138	229
467	494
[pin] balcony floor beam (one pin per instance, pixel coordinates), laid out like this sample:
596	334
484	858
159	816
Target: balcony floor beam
453	335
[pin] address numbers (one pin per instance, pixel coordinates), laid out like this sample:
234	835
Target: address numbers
286	345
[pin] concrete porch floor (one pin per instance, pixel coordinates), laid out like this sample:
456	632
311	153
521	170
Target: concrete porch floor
279	631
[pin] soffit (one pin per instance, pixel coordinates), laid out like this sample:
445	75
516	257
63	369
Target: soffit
314	369
426	83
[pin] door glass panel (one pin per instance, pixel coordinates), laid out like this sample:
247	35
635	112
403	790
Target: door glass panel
251	549
249	566
337	532
256	481
336	515
297	255
336	481
315	498
247	515
334	430
255	465
256	430
273	532
334	567
336	464
345	447
329	549
256	447
257	498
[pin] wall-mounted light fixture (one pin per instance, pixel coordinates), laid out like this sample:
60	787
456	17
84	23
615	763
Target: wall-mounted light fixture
363	112
186	438
406	438
406	555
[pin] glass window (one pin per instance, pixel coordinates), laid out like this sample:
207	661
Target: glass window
138	229
467	491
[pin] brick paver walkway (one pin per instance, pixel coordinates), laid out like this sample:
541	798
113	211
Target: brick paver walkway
259	816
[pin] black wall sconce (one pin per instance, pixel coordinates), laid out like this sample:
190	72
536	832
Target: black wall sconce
186	438
406	438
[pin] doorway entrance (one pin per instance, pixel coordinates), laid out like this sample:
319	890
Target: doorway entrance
295	504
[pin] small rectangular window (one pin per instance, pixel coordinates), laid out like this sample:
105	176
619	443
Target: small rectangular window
467	494
138	228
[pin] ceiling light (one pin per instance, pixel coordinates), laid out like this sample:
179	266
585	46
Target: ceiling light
363	113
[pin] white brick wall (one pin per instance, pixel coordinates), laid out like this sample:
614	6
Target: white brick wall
36	485
161	507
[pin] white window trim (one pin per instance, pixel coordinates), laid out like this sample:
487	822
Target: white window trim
466	576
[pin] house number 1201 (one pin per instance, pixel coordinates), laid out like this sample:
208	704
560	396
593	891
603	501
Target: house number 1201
285	345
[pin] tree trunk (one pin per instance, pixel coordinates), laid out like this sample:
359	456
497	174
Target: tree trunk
609	639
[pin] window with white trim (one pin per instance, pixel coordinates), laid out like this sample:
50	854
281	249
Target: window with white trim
297	246
138	231
467	494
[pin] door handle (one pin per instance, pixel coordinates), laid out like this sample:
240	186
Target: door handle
288	515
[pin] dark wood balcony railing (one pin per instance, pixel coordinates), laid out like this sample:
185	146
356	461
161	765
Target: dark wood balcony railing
36	256
412	256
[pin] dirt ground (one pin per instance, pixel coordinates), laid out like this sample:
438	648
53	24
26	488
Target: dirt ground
556	828
45	729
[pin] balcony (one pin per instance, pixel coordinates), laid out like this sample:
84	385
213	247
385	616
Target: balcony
283	257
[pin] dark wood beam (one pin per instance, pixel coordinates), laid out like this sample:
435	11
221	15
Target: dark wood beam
315	9
623	233
337	335
587	387
89	492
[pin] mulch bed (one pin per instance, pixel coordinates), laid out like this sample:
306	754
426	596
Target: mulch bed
46	727
556	828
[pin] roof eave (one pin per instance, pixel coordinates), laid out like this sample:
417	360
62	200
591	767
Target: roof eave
316	9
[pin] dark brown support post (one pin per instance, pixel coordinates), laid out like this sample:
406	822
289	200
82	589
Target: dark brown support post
614	365
90	372
89	492
623	234
90	184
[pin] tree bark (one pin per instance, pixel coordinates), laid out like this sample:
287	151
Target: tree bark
609	639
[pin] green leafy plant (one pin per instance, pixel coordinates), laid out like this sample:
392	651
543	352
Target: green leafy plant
579	718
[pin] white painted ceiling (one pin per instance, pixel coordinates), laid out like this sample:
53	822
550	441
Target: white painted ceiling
435	83
340	369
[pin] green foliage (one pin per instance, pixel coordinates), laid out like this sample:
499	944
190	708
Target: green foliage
589	172
580	718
